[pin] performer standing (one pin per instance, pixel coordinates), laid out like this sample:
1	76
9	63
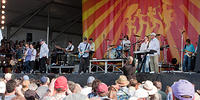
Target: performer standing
154	44
33	56
43	55
27	56
189	50
69	50
92	48
126	44
144	47
84	48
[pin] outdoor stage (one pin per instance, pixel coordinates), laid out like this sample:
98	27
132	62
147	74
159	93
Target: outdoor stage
109	78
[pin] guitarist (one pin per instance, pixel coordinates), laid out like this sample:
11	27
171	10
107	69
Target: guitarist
189	50
84	49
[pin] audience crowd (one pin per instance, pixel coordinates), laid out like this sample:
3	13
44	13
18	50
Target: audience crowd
60	88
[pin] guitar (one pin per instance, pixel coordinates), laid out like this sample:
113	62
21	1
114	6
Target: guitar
187	53
82	51
80	54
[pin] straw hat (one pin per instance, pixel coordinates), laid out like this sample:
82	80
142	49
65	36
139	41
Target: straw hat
122	81
149	87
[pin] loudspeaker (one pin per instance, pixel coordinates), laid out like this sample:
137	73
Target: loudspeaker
197	65
29	37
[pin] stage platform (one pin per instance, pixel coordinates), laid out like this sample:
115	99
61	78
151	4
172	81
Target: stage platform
109	78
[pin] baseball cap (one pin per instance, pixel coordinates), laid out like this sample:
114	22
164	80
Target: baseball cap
102	88
183	88
90	79
2	87
43	79
61	82
25	77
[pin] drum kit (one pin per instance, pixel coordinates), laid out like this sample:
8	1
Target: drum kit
115	52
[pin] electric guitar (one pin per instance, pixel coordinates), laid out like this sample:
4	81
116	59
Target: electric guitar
80	54
187	53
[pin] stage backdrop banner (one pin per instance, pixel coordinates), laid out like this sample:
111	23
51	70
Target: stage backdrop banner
108	21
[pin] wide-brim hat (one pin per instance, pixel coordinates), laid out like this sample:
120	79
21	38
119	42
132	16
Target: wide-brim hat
122	81
149	87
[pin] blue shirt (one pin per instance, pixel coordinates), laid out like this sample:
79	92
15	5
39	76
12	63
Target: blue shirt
28	54
189	48
83	46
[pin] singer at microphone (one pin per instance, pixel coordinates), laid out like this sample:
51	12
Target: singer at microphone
144	46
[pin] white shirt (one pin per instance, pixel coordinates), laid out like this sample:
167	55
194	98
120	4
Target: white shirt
125	43
70	47
154	45
92	46
83	47
44	50
144	46
33	56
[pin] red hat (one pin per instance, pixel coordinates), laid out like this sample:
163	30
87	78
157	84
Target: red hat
102	88
61	82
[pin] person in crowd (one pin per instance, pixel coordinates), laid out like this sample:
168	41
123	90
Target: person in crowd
43	88
31	95
10	90
25	86
33	57
102	91
60	87
2	89
189	50
143	47
181	90
92	47
123	92
129	68
154	45
151	90
95	84
13	63
158	85
27	59
88	89
83	48
7	77
43	55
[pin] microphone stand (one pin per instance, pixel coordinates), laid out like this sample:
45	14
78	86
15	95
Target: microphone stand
182	50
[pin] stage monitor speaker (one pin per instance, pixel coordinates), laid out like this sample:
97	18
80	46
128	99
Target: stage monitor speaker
29	37
197	65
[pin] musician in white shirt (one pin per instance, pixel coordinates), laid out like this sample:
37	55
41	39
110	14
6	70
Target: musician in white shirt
68	58
84	49
44	51
92	47
126	44
144	47
33	56
154	44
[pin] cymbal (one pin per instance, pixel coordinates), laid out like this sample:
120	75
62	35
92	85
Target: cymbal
136	35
